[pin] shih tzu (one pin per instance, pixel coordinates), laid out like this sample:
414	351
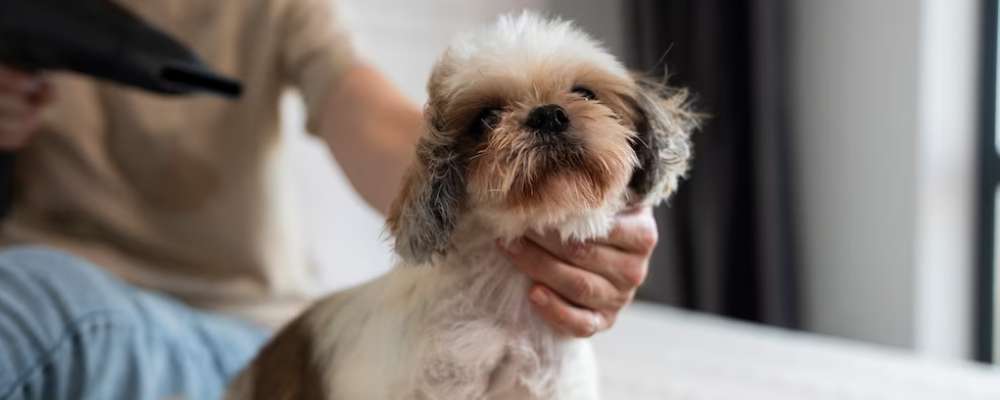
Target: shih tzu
532	125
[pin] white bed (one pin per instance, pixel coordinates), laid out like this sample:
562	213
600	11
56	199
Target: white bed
657	352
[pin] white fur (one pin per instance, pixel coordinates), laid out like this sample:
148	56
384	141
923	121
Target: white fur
518	42
460	329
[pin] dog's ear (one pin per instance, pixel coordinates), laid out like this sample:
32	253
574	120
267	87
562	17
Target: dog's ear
426	210
664	124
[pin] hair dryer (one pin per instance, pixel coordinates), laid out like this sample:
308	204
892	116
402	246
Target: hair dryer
100	39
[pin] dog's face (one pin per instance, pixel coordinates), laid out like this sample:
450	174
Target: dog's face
532	122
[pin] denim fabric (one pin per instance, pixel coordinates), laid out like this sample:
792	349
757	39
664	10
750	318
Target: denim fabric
70	331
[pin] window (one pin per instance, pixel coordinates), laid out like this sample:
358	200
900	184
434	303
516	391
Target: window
988	304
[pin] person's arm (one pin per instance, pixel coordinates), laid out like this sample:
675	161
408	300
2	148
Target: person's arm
371	128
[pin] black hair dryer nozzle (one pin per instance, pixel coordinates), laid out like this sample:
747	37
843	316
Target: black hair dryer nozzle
101	39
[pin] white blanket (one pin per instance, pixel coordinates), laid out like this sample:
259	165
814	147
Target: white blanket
661	353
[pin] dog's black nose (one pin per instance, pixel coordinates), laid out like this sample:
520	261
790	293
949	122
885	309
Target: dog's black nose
548	118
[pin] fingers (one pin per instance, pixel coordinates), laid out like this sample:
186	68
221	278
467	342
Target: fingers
567	318
15	133
634	231
12	106
605	260
580	287
43	96
19	82
22	96
577	285
621	258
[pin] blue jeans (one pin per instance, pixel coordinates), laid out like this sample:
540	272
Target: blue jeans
70	331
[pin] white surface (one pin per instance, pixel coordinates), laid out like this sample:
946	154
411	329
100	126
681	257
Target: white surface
659	353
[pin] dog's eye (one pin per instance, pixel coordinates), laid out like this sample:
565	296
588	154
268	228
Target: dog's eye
487	120
584	92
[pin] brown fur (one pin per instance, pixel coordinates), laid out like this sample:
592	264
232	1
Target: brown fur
290	371
632	133
514	169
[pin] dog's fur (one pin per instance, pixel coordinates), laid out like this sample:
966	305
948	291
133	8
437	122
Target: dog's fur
453	320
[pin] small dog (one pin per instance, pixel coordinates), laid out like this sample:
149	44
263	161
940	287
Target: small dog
532	125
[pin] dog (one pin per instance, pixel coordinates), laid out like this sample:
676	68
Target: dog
531	125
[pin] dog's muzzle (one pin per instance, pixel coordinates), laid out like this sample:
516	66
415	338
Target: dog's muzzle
548	119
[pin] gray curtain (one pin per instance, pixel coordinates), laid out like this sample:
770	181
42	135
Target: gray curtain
726	242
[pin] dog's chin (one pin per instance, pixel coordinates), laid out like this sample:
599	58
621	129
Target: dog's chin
529	180
563	185
558	188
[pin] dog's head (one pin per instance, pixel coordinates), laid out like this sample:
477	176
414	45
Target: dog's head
532	122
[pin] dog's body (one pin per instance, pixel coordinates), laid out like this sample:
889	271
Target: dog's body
532	127
462	329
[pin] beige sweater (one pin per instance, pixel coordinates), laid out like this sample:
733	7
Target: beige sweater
180	195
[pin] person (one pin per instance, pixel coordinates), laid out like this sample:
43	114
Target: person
147	251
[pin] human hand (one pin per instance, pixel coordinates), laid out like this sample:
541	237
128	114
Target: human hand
22	98
579	288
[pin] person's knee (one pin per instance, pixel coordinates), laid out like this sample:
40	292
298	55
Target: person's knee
47	298
43	291
57	275
55	288
45	263
67	325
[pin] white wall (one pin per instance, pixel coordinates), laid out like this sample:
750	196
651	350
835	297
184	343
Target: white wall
602	19
854	102
883	109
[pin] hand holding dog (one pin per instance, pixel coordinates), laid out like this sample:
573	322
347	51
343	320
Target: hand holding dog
581	287
22	98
